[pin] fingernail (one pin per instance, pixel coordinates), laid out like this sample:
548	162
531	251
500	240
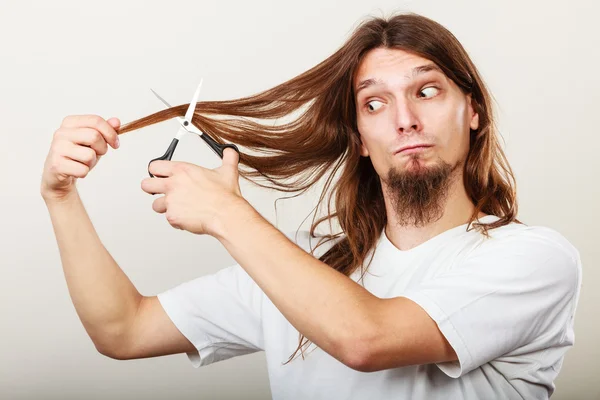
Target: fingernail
117	143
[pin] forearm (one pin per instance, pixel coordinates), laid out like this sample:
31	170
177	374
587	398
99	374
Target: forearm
103	296
329	308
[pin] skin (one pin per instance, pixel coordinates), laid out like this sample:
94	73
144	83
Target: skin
337	314
330	309
406	109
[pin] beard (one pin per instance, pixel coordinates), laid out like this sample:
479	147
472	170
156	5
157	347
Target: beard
418	193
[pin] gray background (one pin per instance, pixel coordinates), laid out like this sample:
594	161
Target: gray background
58	58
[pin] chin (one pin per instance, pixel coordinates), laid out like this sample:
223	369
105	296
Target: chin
418	164
416	161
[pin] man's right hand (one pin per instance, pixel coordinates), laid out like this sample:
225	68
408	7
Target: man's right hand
76	148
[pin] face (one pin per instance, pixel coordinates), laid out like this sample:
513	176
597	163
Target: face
404	100
408	101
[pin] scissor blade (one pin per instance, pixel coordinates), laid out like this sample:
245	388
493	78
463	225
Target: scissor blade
181	132
161	99
190	111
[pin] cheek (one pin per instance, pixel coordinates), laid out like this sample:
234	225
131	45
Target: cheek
453	126
371	138
463	128
368	129
461	137
363	134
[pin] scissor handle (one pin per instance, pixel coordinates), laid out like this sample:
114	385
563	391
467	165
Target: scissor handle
217	147
167	156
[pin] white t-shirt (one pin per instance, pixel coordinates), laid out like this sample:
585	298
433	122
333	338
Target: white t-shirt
506	305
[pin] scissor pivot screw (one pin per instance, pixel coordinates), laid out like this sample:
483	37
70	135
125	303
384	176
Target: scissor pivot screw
185	123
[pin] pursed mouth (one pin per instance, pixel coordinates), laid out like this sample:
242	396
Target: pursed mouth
417	146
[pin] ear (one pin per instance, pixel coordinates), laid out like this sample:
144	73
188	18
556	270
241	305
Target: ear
363	150
474	123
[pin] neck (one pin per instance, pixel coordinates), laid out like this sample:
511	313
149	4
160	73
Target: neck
457	210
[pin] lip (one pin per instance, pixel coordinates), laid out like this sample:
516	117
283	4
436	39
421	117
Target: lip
414	147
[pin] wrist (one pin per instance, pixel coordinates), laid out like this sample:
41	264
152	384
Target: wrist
52	197
231	217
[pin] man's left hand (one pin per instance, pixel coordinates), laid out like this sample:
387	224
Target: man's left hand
195	198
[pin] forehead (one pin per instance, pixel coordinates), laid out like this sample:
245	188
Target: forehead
382	63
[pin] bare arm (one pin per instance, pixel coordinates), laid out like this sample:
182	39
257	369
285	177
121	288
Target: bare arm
103	296
340	316
120	321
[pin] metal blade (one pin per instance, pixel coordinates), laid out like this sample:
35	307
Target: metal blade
190	111
161	99
181	132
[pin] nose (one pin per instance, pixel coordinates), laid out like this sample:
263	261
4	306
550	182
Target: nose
407	119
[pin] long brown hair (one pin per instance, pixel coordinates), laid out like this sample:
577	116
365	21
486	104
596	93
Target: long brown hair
324	142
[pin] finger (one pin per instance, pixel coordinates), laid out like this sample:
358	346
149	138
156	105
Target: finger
86	137
155	185
68	167
116	124
81	154
162	168
160	205
95	122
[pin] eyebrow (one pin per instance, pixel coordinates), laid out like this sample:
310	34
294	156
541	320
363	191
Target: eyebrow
416	71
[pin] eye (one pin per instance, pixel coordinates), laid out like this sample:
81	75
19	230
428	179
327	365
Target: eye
370	106
429	92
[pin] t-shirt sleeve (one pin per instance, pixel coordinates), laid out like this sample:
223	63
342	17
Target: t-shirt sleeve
219	313
510	292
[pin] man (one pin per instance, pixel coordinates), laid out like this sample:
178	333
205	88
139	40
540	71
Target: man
441	312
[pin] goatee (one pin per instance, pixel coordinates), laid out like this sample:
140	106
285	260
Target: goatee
418	193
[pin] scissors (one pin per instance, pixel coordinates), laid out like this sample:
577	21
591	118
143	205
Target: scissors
188	127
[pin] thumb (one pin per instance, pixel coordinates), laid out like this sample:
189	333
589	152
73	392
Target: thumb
231	158
114	122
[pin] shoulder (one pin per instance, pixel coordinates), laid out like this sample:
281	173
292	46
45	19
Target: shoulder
529	240
529	252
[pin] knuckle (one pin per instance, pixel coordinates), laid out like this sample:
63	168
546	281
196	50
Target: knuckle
180	167
97	136
54	166
97	120
90	155
58	134
56	147
172	219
